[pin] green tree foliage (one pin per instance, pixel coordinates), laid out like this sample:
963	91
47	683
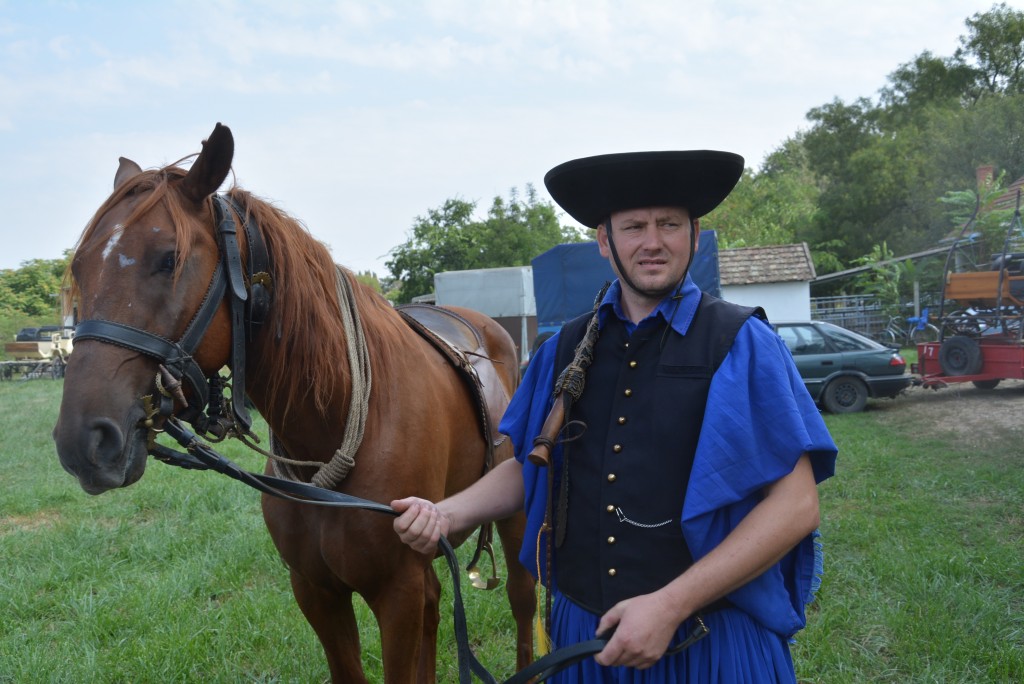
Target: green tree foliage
33	289
995	42
370	278
977	213
878	168
883	280
773	207
449	238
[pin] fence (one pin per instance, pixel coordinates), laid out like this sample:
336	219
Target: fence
864	313
859	313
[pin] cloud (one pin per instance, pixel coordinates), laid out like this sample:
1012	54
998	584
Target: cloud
357	117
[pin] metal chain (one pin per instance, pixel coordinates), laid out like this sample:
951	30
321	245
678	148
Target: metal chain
623	518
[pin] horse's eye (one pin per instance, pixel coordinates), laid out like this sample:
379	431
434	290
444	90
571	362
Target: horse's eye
167	262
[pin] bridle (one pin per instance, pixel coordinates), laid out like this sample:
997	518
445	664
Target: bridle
248	310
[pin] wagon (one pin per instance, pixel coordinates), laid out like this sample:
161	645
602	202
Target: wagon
982	335
42	357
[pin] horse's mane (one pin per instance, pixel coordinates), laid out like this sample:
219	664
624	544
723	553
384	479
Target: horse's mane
311	353
308	355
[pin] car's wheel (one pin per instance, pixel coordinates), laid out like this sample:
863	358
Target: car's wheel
960	355
986	384
845	394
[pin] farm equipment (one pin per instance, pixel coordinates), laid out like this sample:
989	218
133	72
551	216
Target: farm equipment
981	340
37	353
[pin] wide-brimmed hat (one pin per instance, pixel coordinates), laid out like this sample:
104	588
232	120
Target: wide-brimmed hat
591	188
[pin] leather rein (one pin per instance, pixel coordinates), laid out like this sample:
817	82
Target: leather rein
249	309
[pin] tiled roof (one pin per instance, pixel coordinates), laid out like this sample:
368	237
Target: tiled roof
772	264
1008	200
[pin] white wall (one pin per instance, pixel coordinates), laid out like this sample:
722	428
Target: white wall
781	301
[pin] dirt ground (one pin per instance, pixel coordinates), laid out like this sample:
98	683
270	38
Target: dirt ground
960	408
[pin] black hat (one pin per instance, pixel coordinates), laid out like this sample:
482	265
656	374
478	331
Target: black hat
591	188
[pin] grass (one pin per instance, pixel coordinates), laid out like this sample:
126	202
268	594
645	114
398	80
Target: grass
175	579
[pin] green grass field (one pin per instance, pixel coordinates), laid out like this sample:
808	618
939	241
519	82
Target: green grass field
175	579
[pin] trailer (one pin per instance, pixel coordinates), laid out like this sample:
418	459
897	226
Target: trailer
981	338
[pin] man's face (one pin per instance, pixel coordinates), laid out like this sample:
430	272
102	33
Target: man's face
654	246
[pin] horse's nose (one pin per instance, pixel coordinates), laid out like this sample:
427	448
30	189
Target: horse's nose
97	459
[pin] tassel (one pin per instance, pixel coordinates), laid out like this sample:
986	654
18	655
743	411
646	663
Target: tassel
543	640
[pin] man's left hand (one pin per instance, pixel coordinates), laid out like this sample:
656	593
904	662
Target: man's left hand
644	626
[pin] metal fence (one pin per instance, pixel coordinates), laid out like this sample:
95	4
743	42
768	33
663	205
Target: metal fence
859	313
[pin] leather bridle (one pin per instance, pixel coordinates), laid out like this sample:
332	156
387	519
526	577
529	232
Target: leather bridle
248	310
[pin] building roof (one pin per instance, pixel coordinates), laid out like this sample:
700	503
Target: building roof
772	264
1008	200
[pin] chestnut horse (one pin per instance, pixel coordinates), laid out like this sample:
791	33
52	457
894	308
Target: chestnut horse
144	271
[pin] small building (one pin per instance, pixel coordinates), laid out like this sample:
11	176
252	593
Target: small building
777	278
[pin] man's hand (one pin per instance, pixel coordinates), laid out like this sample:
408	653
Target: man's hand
644	626
420	523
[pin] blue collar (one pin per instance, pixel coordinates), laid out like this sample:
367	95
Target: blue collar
687	308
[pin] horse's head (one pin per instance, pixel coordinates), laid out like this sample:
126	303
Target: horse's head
144	263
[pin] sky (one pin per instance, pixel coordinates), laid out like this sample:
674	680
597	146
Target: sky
358	117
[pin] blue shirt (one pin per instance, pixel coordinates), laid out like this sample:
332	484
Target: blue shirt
759	420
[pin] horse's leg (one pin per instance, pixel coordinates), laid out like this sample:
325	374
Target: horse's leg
520	587
408	615
334	621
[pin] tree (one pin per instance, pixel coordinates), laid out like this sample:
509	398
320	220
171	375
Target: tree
978	213
995	40
33	289
450	239
928	81
370	279
772	207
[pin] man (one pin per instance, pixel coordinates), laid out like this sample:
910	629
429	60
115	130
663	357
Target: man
684	501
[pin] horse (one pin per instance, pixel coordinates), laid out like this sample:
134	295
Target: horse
335	370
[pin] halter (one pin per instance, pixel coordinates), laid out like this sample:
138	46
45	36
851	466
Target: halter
248	312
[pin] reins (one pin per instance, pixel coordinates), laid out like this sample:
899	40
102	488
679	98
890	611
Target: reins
201	456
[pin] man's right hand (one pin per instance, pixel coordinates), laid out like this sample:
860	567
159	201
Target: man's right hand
420	523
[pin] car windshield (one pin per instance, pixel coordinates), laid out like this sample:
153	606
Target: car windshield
847	340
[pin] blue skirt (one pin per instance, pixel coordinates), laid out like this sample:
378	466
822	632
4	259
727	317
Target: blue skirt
737	650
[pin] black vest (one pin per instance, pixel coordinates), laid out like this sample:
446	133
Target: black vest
643	406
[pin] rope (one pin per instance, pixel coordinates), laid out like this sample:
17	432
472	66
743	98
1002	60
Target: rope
574	376
335	470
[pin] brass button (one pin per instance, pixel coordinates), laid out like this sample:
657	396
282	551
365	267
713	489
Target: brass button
609	508
611	540
617	448
612	572
622	420
632	364
611	477
628	392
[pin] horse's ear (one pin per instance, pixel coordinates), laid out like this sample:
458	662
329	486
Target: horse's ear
211	167
126	170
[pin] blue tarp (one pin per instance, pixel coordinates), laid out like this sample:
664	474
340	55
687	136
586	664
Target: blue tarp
567	278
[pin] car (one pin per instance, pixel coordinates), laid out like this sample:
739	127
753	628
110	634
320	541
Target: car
842	369
27	335
42	334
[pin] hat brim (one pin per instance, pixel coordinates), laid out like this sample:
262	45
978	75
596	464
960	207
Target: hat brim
591	188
